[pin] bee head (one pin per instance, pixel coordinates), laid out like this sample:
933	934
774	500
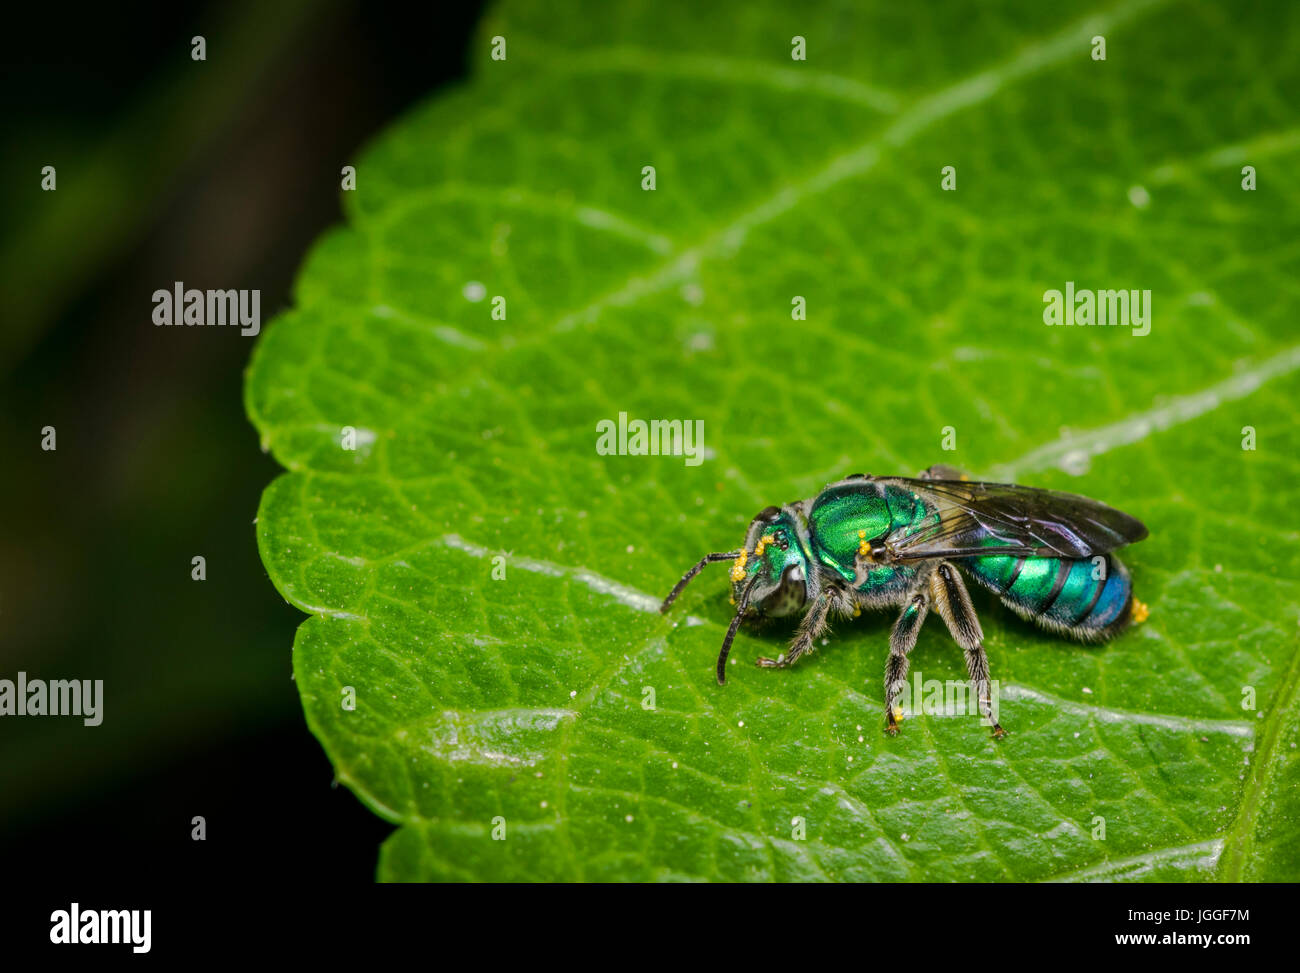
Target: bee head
772	562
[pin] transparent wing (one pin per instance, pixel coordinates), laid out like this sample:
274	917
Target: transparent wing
973	518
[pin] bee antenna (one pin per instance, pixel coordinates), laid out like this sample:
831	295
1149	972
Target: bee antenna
686	578
731	629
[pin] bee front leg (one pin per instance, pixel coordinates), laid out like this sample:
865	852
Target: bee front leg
810	628
953	603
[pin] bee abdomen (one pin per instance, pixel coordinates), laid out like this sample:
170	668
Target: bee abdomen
1090	598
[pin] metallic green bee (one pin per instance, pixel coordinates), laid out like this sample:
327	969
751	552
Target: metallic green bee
888	541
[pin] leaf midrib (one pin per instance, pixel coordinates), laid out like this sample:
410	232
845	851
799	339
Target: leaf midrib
1241	834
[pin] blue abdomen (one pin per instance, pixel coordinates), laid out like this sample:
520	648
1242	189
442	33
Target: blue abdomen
1090	597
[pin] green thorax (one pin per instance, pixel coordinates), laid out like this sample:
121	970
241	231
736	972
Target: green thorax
848	516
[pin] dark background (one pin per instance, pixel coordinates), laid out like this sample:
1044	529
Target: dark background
217	173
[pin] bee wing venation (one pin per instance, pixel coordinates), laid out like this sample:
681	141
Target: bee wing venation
978	519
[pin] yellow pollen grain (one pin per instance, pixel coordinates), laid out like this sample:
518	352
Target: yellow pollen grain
863	547
1140	612
738	568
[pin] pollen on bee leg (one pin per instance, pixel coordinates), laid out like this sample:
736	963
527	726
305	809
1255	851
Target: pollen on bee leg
898	714
738	567
1140	612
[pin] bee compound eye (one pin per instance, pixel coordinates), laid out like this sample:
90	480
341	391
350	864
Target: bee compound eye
769	515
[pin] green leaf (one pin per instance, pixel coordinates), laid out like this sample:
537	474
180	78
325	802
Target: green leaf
520	700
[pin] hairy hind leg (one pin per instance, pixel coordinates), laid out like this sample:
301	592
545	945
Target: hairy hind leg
902	639
953	603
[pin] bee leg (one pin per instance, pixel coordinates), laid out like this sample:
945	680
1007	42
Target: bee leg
953	603
902	639
810	628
